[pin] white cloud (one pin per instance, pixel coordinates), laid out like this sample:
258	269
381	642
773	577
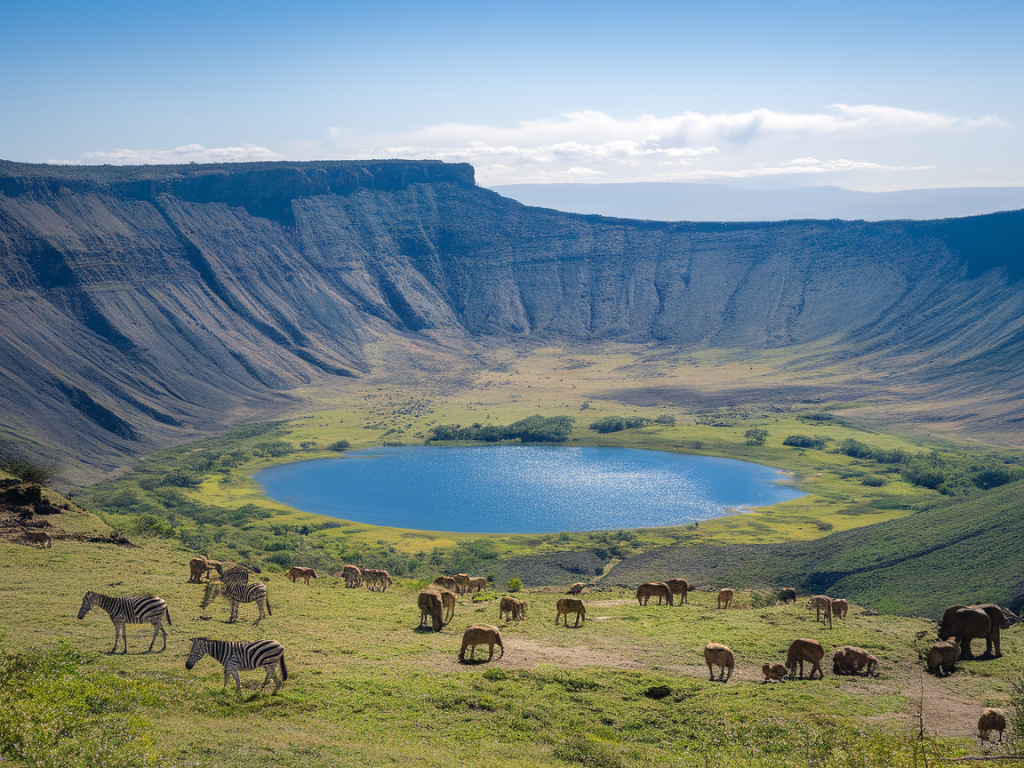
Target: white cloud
688	145
190	153
802	165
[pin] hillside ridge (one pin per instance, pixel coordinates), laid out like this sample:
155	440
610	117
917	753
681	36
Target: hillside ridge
145	306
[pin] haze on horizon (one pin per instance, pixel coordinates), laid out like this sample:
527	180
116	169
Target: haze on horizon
876	97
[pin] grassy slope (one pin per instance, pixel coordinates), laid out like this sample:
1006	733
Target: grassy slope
956	551
366	687
970	549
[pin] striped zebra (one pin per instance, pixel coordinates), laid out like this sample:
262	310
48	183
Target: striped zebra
238	592
235	656
129	610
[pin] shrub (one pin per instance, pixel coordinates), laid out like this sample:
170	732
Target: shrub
339	446
756	436
180	478
874	481
804	441
533	429
28	472
619	423
515	584
666	420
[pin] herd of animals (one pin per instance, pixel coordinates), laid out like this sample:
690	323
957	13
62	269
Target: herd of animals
959	626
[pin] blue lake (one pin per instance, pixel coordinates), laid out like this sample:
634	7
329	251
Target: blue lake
523	489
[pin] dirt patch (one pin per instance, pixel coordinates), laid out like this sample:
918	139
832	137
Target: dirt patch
943	714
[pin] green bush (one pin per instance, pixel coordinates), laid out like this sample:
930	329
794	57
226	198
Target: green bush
804	441
619	423
533	429
874	481
515	584
180	478
28	472
339	446
756	436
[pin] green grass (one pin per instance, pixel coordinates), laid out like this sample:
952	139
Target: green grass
365	686
967	549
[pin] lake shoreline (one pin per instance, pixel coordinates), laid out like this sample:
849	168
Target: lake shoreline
628	488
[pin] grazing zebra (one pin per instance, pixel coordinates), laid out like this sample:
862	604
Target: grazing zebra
129	610
239	592
235	656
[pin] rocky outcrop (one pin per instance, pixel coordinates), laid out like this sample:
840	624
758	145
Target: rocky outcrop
142	304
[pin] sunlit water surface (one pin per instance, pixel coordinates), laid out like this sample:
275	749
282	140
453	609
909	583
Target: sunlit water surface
522	489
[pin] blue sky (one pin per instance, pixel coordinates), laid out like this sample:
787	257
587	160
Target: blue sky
869	95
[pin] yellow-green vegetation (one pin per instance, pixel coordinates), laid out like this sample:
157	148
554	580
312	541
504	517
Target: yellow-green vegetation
557	382
855	472
366	686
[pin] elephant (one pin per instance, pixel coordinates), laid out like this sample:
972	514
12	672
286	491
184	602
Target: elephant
967	622
478	634
725	597
430	604
998	618
658	589
788	595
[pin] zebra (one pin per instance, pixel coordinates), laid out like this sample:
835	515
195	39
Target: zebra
130	610
238	592
235	656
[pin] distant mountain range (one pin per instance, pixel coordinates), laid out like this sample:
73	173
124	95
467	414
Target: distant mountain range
670	201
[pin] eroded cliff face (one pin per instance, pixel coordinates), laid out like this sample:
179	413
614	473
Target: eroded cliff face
140	304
